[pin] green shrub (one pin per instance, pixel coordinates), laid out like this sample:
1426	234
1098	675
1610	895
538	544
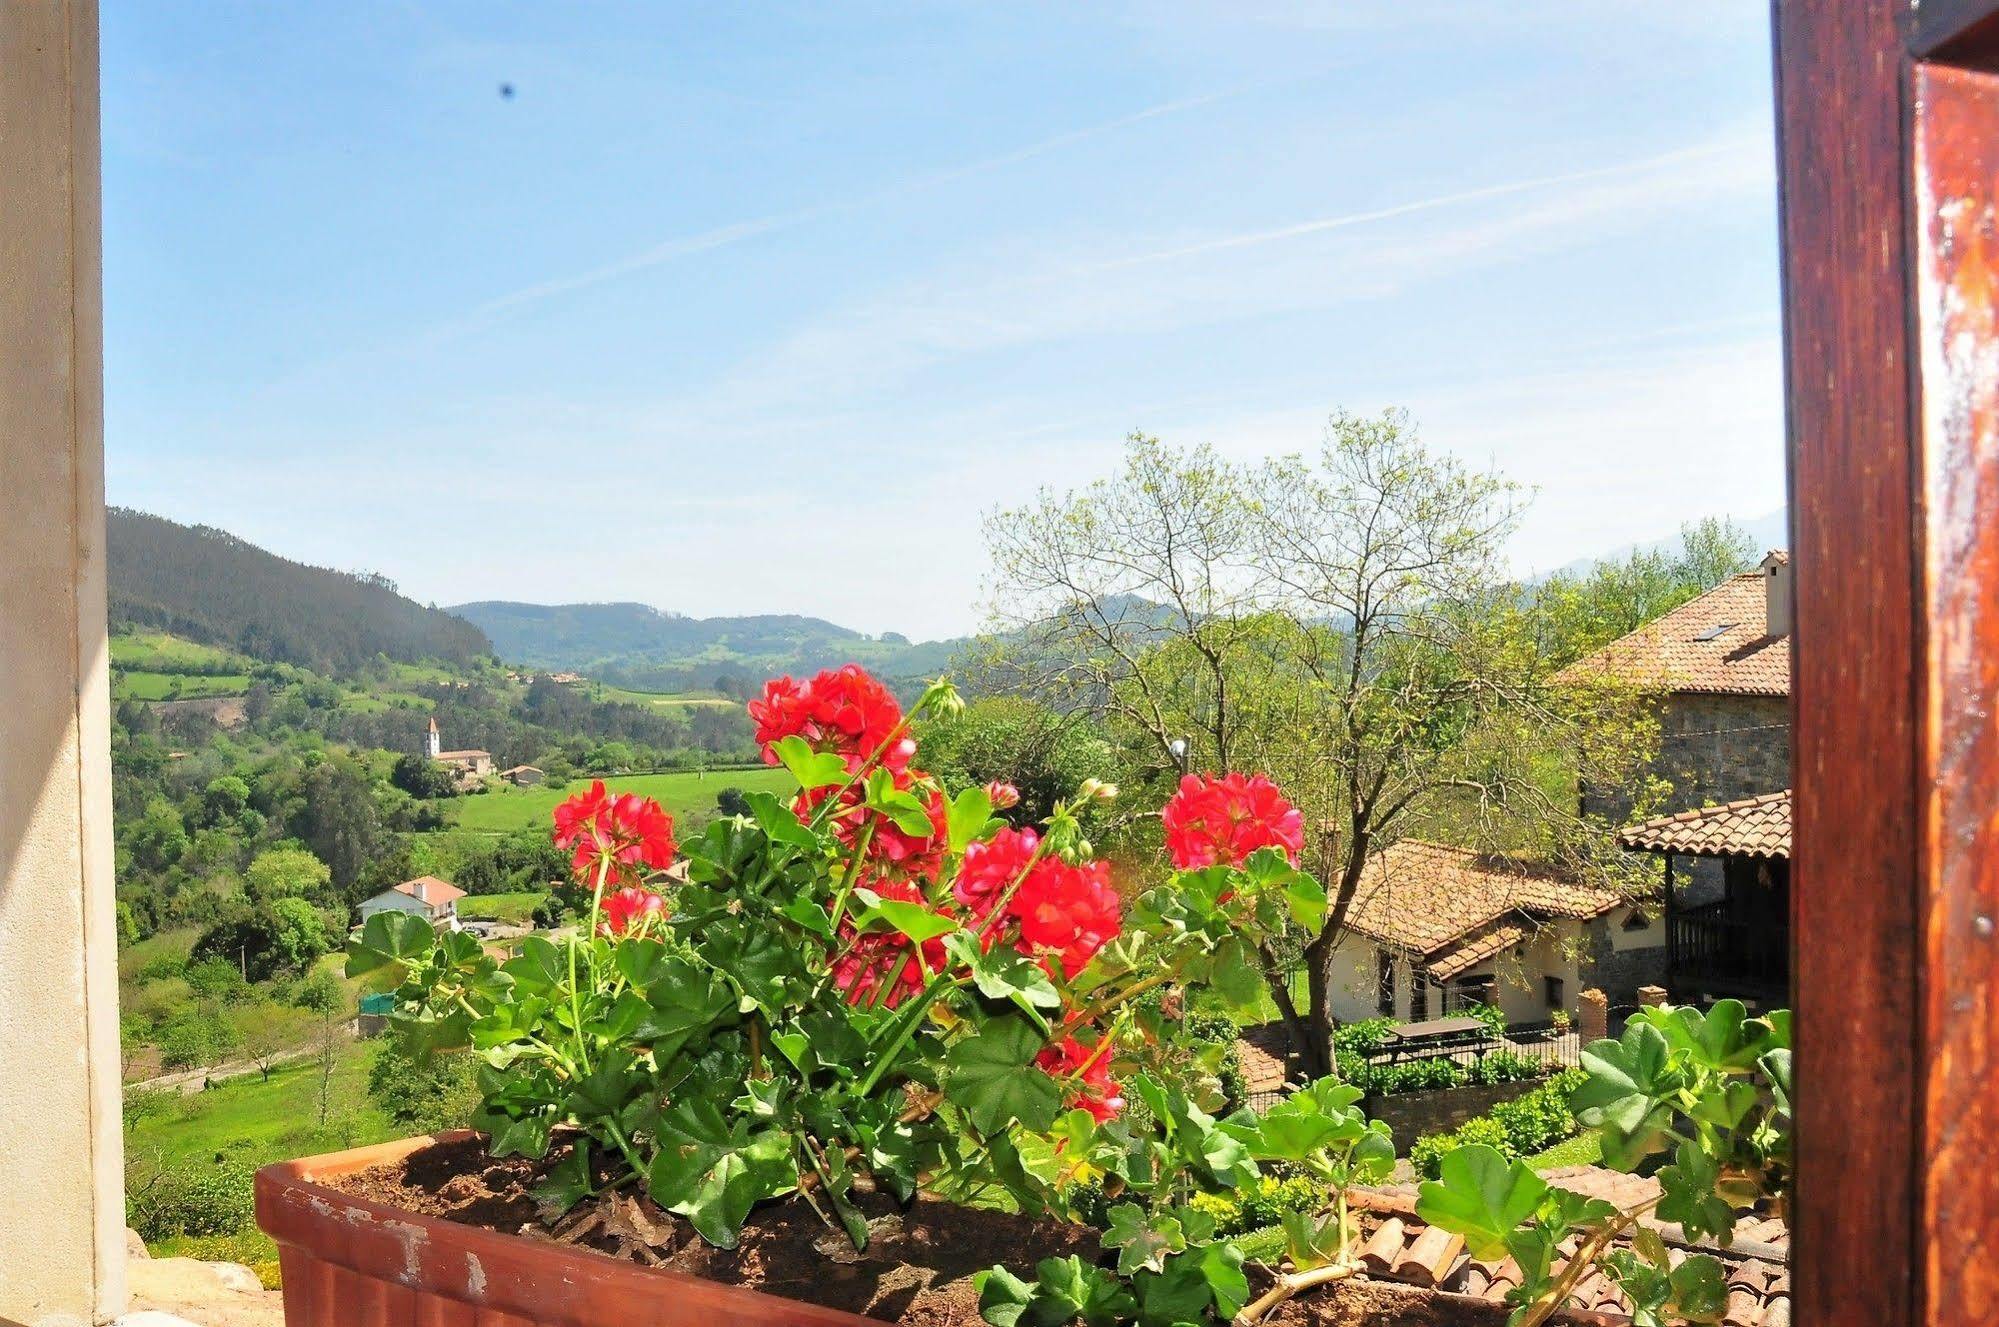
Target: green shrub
1369	1034
193	1198
194	1039
1521	1127
425	1095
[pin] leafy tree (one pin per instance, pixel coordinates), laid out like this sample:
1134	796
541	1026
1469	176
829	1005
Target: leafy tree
423	1093
1045	754
420	776
339	820
287	871
160	837
266	1031
282	936
1579	613
225	798
1343	622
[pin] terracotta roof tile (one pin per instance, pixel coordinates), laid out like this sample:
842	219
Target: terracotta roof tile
1751	827
1442	902
1399	1247
430	889
1714	644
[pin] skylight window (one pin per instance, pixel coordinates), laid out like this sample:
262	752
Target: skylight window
1716	631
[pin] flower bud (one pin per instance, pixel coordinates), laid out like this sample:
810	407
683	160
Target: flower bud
1003	795
1096	790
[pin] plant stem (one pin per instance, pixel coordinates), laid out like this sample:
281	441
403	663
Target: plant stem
1287	1286
589	934
905	1030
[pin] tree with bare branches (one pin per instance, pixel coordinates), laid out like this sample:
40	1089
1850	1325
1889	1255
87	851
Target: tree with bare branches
1344	622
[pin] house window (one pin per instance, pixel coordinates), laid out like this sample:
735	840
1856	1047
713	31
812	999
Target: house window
1419	996
1636	920
1557	996
1384	982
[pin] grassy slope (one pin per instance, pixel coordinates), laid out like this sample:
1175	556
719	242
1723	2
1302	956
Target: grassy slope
684	793
265	1121
513	909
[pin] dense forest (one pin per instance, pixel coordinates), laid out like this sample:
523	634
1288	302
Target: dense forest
207	585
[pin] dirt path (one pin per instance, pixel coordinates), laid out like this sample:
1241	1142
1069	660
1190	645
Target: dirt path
189	1081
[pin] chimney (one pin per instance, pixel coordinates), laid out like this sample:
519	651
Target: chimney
1776	594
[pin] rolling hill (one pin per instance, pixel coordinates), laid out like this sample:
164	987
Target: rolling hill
206	585
643	647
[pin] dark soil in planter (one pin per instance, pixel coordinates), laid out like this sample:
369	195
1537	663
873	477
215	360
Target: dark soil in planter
916	1270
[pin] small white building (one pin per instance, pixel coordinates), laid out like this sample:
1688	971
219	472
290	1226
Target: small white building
1434	928
426	896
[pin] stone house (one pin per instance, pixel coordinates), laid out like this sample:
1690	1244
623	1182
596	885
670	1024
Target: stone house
470	765
1433	928
1721	667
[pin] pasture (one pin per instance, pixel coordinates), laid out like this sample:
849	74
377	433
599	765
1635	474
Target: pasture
688	794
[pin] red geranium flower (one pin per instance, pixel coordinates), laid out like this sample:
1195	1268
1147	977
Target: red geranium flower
885	962
630	909
1067	913
991	867
629	831
842	710
1089	1073
890	848
1223	820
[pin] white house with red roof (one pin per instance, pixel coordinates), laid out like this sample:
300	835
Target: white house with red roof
436	901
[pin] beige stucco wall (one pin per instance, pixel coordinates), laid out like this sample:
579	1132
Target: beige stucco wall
61	1206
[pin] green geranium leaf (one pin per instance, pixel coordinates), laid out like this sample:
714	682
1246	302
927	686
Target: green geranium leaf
1003	1297
1722	1037
389	938
687	1001
1221	1267
1687	1194
914	920
712	1171
1699	1289
1003	973
539	968
812	769
1142	1240
968	816
1311	1241
1306	898
1179	1294
1627	1079
779	822
1480	1196
1238	977
567	1182
991	1075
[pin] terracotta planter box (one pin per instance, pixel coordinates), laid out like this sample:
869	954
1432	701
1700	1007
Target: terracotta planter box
352	1263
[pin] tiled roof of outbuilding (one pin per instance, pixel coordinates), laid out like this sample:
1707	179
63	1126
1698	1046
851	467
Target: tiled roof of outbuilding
1455	907
1715	644
1750	827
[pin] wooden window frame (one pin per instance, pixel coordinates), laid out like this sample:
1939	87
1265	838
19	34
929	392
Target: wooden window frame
1888	144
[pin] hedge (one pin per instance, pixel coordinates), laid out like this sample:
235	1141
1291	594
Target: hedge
1516	1128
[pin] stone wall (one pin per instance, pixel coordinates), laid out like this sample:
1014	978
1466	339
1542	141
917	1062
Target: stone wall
1410	1115
1721	748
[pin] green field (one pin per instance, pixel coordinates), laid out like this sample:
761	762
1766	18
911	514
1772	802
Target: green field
688	795
263	1121
513	909
137	685
159	652
660	700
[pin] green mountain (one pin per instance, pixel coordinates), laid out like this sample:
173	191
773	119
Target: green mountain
639	646
209	586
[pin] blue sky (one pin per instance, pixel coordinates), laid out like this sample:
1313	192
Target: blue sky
757	308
